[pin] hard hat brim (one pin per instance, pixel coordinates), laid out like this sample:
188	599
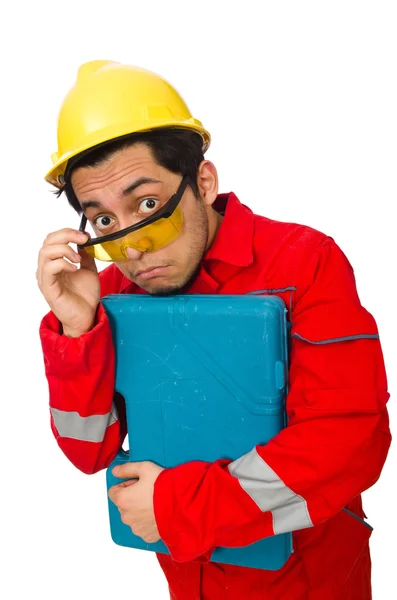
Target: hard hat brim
110	134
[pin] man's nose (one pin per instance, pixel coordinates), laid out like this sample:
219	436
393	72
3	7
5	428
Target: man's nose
133	253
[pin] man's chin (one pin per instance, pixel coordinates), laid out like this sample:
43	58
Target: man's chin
167	288
165	292
159	287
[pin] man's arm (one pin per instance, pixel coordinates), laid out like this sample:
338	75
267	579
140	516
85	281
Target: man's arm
78	353
333	449
87	419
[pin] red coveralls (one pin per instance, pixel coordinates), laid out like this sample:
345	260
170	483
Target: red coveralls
334	447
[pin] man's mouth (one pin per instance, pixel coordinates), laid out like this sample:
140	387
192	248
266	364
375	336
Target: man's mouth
151	272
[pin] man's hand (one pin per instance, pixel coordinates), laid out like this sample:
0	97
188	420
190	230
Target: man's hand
72	293
134	499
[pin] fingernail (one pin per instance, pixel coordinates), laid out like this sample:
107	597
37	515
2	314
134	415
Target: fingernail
116	470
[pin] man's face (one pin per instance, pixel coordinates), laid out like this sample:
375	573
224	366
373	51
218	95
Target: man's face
100	192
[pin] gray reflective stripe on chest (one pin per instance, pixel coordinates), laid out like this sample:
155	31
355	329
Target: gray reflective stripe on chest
347	338
88	429
269	492
273	291
359	519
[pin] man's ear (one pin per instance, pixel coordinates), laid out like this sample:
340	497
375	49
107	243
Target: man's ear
207	181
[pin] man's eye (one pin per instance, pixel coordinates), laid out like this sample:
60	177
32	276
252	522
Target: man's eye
102	222
149	205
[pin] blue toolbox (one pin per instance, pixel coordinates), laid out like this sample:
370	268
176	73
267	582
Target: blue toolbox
204	377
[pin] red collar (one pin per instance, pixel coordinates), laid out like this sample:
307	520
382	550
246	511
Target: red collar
234	240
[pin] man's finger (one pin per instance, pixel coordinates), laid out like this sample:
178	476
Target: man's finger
65	236
128	482
129	469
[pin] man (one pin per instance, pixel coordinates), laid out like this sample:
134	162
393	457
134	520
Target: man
130	160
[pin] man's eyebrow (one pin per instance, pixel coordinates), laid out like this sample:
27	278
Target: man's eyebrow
128	190
90	204
137	183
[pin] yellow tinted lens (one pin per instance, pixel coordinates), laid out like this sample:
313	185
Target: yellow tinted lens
105	252
148	239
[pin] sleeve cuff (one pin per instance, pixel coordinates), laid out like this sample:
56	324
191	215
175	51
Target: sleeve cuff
63	355
164	507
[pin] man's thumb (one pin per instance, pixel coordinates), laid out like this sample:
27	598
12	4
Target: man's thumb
128	469
87	261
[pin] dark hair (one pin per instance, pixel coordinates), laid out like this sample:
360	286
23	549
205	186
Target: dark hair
178	150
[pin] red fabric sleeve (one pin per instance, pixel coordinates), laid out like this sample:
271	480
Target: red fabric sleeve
81	377
333	448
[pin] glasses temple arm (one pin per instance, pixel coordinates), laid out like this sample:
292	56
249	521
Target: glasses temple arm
83	223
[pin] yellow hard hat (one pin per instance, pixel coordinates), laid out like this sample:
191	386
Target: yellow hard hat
110	100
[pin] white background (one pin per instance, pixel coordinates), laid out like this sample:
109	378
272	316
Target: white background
300	98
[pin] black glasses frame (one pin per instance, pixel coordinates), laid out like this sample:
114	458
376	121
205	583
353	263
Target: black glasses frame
163	213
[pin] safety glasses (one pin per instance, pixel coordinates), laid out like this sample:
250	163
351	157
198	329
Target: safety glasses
148	235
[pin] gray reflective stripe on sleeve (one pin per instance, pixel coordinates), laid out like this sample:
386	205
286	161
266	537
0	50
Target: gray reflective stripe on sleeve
348	338
88	429
270	493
